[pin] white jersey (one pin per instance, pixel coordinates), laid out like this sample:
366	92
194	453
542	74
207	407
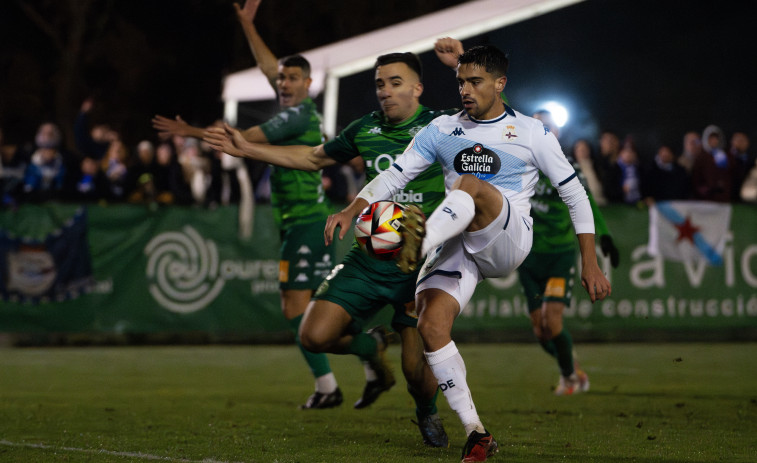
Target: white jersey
507	152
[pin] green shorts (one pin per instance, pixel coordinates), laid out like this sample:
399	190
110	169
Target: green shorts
363	286
305	258
548	277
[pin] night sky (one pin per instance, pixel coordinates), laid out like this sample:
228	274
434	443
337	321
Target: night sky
648	69
645	69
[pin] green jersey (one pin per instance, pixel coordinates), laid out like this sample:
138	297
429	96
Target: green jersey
297	196
553	229
380	143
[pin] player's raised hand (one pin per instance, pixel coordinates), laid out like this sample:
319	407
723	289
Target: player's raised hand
169	127
447	50
248	11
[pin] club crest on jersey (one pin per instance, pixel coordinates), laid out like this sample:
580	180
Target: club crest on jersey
477	160
509	133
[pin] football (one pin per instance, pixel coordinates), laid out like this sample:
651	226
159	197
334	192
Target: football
377	230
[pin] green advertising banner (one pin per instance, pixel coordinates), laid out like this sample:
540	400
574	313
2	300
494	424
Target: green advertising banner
132	270
164	270
649	294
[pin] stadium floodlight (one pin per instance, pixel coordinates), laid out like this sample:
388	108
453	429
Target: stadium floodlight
559	112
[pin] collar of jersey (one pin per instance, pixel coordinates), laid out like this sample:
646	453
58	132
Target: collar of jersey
410	120
306	103
508	111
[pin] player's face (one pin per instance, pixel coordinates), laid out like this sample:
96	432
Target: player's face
398	90
480	91
292	85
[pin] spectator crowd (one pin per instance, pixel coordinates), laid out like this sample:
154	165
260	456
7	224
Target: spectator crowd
707	167
711	166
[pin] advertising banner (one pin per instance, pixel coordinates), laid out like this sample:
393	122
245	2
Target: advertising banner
649	293
129	269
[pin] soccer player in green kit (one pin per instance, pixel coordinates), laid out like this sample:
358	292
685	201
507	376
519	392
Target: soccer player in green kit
360	286
548	272
299	204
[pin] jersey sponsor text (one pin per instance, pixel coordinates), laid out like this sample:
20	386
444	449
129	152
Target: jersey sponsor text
407	197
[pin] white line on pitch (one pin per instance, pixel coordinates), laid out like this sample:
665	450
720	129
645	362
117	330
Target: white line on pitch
144	456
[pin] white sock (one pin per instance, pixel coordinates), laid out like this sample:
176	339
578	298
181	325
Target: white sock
450	219
448	367
326	384
370	373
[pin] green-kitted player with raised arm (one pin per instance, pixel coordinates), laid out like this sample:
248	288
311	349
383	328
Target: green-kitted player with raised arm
360	286
299	204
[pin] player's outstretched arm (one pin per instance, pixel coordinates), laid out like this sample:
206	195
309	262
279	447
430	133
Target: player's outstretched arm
592	279
232	141
447	50
169	127
343	220
267	61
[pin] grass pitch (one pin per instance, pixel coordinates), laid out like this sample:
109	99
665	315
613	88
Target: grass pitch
648	403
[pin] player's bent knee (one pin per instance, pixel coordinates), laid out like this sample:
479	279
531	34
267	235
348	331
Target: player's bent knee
478	189
467	183
313	342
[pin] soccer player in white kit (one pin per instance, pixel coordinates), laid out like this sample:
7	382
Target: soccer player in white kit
490	155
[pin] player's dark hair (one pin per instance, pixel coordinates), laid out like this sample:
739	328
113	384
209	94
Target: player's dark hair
297	61
410	59
489	57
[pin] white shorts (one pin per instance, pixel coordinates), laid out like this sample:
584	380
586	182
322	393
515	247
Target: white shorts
459	264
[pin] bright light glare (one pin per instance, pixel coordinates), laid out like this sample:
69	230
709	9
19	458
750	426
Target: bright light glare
559	113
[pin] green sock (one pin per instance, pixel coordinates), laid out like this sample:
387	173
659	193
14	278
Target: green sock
363	345
423	406
564	347
318	363
549	347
